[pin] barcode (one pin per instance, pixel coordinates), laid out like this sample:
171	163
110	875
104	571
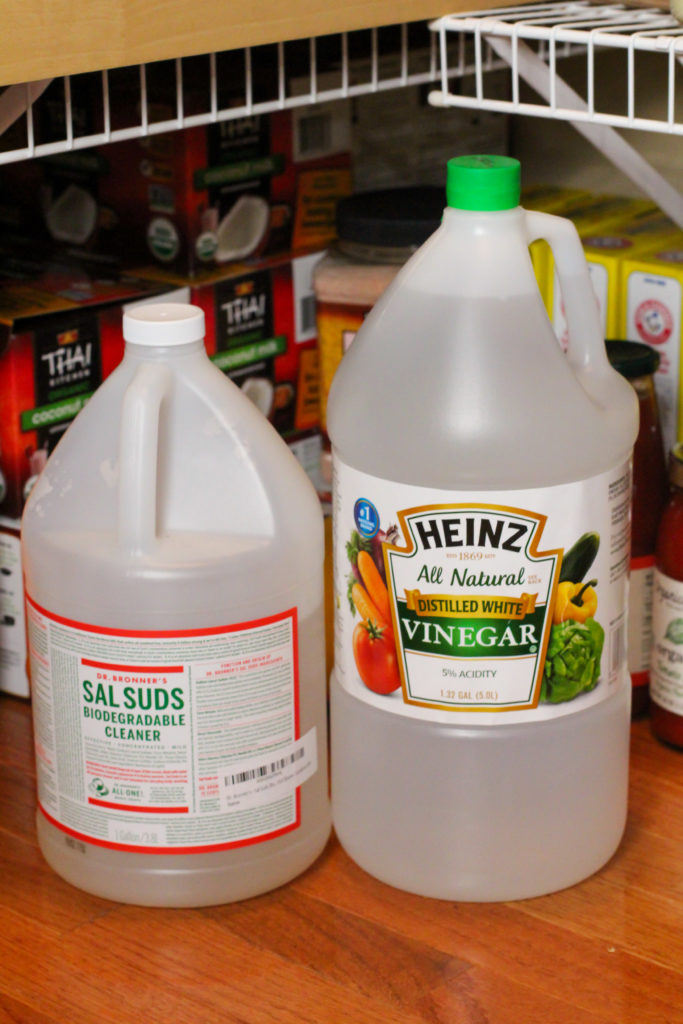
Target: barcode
264	770
315	133
307	313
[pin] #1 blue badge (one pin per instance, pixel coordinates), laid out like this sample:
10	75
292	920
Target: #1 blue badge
366	518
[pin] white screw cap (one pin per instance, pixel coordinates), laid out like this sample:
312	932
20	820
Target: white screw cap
163	324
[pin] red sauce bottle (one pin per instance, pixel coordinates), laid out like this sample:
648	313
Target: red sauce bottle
666	677
638	363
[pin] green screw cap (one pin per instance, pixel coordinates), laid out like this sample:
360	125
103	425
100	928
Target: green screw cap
483	183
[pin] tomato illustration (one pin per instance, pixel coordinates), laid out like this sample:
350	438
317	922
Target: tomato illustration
375	655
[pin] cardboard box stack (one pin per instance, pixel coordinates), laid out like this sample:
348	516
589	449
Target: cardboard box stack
204	197
60	336
547	199
589	213
606	247
233	214
635	258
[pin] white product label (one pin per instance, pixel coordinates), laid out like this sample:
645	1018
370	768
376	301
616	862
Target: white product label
640	618
308	451
12	622
666	667
320	130
653	316
257	781
169	742
457	603
304	296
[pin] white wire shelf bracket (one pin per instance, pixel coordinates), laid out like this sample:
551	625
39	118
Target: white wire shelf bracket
406	62
531	38
548	31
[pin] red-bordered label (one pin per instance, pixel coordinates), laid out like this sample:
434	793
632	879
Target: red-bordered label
169	741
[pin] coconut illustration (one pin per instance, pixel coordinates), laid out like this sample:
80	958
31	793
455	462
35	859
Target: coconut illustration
72	217
243	229
259	390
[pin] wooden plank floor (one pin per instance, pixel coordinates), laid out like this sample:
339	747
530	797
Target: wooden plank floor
336	946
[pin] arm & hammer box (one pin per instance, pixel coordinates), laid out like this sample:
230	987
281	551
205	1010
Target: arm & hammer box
591	216
651	311
605	249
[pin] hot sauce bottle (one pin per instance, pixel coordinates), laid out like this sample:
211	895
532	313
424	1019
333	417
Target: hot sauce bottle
666	675
638	363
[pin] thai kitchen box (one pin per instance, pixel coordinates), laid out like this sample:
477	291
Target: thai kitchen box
261	332
60	336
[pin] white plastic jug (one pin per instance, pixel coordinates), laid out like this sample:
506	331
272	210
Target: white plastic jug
480	698
173	552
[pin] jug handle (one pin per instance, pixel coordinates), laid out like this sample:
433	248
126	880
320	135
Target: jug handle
586	352
138	457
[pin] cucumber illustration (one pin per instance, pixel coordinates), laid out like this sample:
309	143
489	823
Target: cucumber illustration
578	560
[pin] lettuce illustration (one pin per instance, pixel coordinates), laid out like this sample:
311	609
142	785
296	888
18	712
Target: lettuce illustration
572	664
674	631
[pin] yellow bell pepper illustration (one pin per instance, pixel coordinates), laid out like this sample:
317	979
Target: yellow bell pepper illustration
577	601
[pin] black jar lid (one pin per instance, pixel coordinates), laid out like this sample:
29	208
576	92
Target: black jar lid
632	358
397	218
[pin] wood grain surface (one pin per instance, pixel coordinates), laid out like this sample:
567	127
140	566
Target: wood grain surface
337	946
48	38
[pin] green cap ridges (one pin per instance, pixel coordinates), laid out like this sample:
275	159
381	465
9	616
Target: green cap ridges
483	183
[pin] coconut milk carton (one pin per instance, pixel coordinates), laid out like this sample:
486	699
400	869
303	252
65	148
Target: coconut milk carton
204	197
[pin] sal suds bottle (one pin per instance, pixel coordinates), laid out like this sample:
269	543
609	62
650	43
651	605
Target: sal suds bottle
173	552
480	699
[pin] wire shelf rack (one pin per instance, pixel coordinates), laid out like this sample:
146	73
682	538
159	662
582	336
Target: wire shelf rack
647	44
76	112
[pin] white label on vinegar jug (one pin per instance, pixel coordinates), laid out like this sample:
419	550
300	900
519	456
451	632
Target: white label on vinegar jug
169	742
507	605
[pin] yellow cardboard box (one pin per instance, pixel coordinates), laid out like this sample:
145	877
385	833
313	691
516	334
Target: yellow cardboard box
547	199
592	217
651	311
605	250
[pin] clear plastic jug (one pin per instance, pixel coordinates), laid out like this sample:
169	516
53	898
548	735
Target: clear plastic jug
173	552
480	699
